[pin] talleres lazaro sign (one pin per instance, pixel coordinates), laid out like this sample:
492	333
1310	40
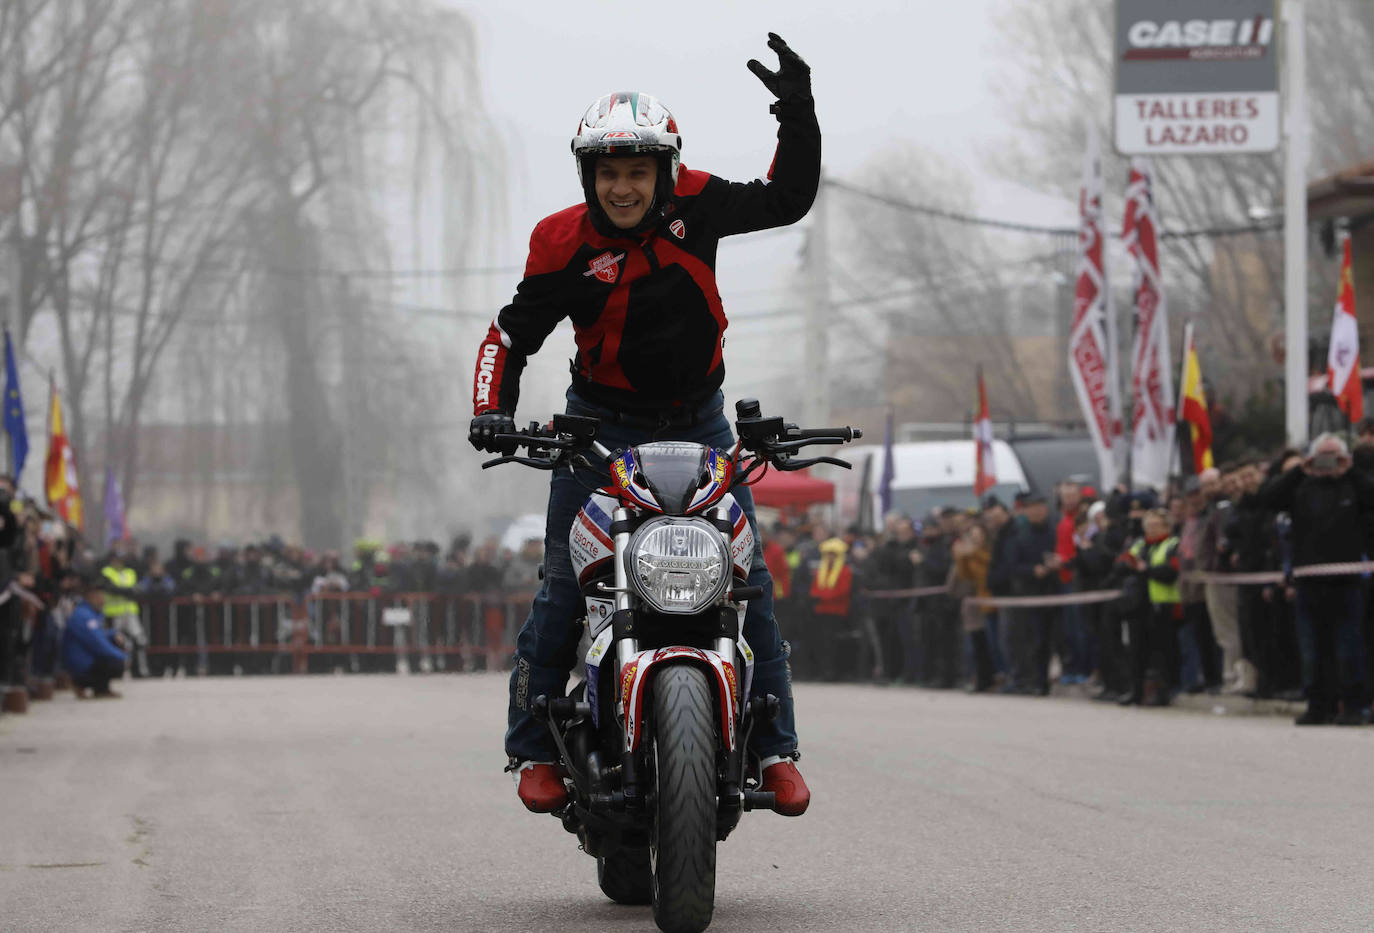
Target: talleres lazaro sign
1196	77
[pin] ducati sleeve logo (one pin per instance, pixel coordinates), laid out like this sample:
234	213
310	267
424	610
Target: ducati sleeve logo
678	229
605	267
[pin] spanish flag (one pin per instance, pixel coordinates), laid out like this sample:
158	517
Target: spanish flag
1343	358
984	469
1192	408
59	474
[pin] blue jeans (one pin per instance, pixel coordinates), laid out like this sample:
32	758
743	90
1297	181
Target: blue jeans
1331	642
546	648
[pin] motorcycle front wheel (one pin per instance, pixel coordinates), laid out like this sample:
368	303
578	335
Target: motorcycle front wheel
682	844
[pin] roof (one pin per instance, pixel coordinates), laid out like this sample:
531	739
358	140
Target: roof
778	489
1347	193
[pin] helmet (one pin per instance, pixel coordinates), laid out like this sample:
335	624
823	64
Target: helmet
628	123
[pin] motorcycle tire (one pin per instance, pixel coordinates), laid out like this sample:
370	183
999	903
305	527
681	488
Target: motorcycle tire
682	844
625	876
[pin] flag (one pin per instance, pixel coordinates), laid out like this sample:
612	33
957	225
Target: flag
885	478
59	474
1192	405
984	467
14	412
1343	359
115	528
1092	339
1152	417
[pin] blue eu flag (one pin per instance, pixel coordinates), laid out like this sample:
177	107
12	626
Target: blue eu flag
14	411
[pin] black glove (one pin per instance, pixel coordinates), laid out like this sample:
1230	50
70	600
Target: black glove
791	83
484	428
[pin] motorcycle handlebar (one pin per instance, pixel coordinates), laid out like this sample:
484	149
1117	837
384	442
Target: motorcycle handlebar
845	434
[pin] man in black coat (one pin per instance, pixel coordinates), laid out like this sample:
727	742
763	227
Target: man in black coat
1034	572
1329	504
937	616
890	567
1001	526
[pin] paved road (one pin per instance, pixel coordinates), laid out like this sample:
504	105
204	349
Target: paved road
377	803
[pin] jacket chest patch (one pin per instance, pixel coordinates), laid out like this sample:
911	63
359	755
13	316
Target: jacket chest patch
605	267
678	229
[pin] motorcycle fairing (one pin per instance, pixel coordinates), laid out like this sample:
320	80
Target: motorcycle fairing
747	656
741	537
625	474
634	680
589	542
599	612
595	655
719	469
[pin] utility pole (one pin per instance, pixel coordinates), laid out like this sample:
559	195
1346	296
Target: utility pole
1295	225
815	366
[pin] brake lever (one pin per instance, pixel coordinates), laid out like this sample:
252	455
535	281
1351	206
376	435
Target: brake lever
539	463
532	441
787	466
793	446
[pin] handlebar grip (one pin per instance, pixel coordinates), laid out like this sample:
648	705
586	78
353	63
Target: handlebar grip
848	434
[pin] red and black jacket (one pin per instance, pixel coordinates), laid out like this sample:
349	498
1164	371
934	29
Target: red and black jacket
648	317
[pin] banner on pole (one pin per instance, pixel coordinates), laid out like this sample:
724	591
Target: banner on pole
1152	418
1343	357
1092	339
984	465
59	474
1192	406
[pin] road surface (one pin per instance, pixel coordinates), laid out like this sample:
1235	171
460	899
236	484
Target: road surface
378	803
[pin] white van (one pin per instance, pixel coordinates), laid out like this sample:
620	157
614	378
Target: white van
926	475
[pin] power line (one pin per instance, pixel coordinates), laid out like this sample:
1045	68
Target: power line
1015	227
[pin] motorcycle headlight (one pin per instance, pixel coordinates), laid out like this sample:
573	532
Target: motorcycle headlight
679	565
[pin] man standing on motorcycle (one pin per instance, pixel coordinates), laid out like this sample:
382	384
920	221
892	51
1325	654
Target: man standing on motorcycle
633	266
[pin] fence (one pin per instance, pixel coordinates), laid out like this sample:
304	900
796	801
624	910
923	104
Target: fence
324	632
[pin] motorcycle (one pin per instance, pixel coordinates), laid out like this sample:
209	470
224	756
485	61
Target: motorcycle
654	739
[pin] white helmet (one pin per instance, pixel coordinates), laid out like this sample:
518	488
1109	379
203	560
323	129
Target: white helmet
628	123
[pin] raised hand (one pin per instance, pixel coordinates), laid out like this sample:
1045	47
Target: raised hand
792	80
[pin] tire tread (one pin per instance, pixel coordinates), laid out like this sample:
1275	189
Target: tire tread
685	875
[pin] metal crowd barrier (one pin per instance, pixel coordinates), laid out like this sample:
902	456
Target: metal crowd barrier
355	631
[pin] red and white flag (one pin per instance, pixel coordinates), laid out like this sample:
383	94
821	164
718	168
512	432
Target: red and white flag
984	469
1152	421
1092	341
1343	358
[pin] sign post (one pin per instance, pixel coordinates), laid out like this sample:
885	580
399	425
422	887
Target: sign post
1295	227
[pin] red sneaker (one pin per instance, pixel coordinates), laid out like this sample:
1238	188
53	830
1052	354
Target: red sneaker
541	786
790	794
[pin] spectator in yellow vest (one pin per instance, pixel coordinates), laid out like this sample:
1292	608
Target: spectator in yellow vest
121	582
1155	557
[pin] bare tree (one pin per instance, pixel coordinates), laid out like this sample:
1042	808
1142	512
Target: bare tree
933	296
206	162
314	86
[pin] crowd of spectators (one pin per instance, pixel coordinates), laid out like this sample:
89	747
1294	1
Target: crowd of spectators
1179	619
62	585
900	605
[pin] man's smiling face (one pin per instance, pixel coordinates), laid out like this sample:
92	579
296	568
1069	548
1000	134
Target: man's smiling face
625	188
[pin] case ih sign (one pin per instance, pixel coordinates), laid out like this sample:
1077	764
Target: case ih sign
1196	77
